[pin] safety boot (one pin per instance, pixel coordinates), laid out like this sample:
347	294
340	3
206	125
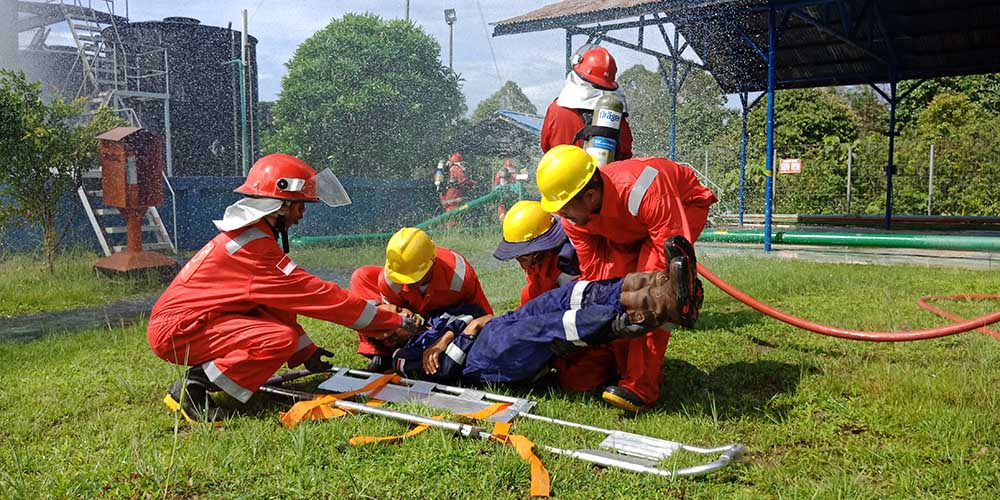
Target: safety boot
189	396
655	298
622	398
679	246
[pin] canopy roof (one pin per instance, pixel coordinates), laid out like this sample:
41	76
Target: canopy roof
820	42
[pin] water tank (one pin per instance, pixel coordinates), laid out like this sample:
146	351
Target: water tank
204	90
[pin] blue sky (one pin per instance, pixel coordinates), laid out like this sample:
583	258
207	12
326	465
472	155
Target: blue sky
534	61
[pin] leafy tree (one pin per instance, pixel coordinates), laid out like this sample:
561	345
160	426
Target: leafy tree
983	90
46	147
870	109
509	97
365	93
701	112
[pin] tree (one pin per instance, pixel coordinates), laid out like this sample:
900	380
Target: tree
701	112
364	94
509	97
46	147
983	90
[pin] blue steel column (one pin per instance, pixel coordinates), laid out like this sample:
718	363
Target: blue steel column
743	153
569	51
769	172
890	168
673	105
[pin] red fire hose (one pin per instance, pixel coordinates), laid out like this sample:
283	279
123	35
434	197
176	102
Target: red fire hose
930	333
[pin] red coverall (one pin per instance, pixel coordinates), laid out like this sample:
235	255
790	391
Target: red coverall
638	214
453	282
233	306
562	124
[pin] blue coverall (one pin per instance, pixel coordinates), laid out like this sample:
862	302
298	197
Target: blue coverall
516	346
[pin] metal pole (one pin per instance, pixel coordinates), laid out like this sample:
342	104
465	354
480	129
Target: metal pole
673	97
569	51
774	181
167	131
706	163
743	153
451	46
890	168
769	168
850	160
930	182
407	10
243	95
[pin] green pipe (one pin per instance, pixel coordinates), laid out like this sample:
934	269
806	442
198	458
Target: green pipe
512	190
928	241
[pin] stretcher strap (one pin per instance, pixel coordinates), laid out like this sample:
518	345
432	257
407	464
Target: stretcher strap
479	415
321	407
540	486
363	440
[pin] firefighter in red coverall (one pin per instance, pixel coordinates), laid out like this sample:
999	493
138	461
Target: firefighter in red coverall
592	77
457	186
230	314
618	218
419	277
536	239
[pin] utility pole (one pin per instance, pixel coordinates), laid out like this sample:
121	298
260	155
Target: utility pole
450	18
407	10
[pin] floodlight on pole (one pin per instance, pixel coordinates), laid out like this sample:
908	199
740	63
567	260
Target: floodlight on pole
450	18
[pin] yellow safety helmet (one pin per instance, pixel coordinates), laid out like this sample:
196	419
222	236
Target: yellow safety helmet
409	255
528	229
562	173
526	221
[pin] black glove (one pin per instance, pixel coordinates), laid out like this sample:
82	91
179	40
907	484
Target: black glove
562	347
622	328
315	362
412	324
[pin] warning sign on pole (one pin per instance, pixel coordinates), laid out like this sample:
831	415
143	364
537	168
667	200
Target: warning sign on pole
790	166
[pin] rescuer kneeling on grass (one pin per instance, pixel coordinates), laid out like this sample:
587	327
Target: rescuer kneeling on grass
463	343
536	239
618	218
418	276
230	314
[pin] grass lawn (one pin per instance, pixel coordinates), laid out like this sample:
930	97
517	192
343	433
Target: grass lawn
26	286
821	417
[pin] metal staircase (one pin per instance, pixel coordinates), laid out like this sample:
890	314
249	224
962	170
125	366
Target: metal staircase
107	83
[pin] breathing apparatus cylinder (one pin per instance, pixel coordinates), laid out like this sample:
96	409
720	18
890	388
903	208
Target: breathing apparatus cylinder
439	176
601	137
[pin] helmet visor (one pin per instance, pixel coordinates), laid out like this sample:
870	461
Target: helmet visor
329	189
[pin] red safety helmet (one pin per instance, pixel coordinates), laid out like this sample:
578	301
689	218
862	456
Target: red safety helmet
282	177
456	156
598	67
508	163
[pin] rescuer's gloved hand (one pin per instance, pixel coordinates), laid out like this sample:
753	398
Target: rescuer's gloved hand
315	363
412	324
562	347
622	328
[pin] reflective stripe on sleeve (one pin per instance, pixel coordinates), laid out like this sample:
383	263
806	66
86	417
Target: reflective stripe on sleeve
576	297
304	341
396	287
225	383
457	355
243	238
366	317
459	277
639	189
569	328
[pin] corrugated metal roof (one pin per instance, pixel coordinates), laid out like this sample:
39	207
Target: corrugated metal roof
820	45
529	123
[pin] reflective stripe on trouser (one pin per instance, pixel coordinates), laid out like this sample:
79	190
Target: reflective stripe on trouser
239	352
636	363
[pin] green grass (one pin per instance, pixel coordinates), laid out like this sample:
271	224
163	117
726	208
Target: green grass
821	417
26	285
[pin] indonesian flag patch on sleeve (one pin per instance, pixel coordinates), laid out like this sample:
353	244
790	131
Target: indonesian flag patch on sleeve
286	265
